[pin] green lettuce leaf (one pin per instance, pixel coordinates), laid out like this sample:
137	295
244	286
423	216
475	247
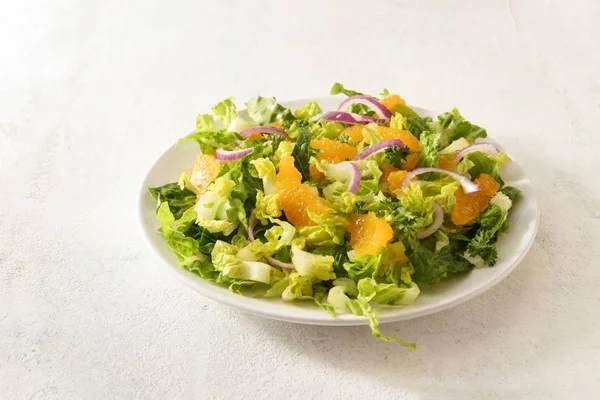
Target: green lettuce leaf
431	266
308	111
216	211
179	199
339	297
490	165
491	221
302	287
285	149
511	192
312	265
301	153
205	123
268	174
338	88
184	247
226	111
329	231
186	182
210	141
386	293
429	149
344	203
370	175
326	129
364	265
451	126
225	260
267	207
264	110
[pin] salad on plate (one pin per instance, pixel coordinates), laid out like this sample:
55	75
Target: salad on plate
349	208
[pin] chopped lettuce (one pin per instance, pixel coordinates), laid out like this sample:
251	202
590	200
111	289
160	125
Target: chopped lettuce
216	211
179	199
386	293
330	230
490	165
451	126
312	265
264	110
225	260
307	111
484	242
205	123
370	175
339	298
267	207
429	149
268	174
301	153
226	111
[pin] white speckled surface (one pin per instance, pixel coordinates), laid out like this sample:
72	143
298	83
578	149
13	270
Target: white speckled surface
90	94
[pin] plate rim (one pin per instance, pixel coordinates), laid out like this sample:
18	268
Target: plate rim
195	282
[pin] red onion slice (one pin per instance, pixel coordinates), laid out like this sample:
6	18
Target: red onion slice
276	263
438	220
251	223
466	183
485	148
354	178
280	264
370	102
226	155
348	118
265	129
379	147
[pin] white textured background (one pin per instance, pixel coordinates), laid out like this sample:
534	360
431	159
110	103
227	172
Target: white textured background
92	91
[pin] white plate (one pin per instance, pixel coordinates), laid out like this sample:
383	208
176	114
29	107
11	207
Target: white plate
512	247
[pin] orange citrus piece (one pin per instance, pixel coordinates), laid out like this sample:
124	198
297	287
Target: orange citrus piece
447	163
333	152
395	181
205	170
297	198
468	206
387	170
411	161
390	101
487	184
385	133
368	234
354	132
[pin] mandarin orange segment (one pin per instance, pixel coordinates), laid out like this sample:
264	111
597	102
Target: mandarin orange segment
390	101
205	170
447	163
333	151
297	198
354	132
255	136
368	234
468	206
411	161
315	174
395	181
387	169
385	133
487	184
